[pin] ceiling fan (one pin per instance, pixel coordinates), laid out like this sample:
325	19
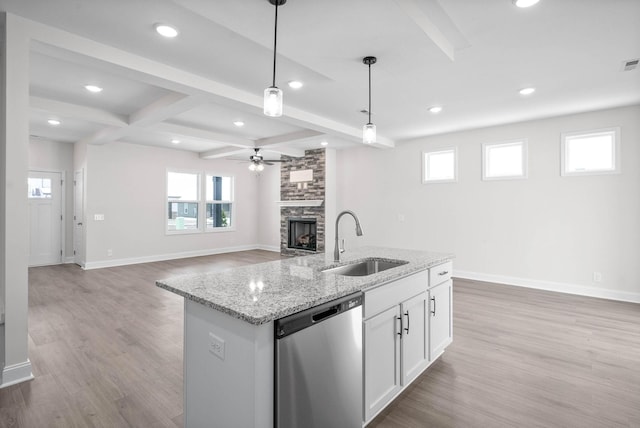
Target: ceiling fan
258	162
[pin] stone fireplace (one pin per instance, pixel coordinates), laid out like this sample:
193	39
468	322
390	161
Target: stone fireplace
302	210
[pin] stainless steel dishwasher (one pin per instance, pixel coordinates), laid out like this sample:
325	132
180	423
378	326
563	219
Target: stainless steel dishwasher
319	366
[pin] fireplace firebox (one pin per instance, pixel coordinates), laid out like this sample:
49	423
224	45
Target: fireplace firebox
302	233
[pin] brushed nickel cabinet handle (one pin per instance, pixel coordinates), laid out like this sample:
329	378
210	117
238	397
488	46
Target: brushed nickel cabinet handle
407	327
433	312
444	272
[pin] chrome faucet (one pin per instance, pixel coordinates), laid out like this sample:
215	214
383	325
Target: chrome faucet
337	250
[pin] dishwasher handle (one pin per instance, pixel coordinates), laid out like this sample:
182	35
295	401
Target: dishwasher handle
325	314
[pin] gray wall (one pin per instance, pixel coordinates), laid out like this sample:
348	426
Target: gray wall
546	231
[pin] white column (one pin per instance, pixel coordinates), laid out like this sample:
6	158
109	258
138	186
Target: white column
14	140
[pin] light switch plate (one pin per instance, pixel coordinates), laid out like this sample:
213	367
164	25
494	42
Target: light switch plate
216	346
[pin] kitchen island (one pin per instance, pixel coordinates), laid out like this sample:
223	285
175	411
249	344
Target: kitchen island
229	325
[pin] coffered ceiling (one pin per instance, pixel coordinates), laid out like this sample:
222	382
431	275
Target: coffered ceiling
470	57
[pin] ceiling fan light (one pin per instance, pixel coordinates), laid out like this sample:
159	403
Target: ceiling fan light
252	166
260	167
273	102
369	133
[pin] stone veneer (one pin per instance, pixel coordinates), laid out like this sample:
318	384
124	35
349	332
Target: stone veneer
315	160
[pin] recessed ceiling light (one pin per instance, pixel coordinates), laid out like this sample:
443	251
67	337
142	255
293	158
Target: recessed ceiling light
295	84
238	123
435	109
525	3
93	88
175	141
166	30
53	122
527	91
324	143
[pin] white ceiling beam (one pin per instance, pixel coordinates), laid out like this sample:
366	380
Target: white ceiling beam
74	111
415	12
288	138
165	108
221	153
203	134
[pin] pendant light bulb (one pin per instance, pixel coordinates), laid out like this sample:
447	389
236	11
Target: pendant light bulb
273	95
273	101
260	167
369	133
369	130
252	166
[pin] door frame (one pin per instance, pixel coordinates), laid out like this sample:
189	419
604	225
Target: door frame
79	256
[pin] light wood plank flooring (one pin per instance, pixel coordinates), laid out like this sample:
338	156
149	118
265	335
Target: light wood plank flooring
106	348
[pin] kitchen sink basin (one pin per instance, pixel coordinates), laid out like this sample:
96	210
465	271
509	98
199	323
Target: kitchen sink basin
365	267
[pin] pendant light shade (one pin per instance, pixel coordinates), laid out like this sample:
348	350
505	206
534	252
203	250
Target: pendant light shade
273	95
273	101
369	133
369	130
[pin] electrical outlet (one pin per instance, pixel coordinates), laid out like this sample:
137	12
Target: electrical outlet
109	252
216	346
597	277
98	217
400	217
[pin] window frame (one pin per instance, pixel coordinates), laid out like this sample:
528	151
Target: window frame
525	159
201	202
565	137
426	153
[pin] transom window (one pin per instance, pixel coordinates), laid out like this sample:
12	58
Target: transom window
196	206
439	166
590	152
506	160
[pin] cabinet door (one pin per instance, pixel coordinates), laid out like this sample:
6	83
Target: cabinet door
381	360
415	356
440	325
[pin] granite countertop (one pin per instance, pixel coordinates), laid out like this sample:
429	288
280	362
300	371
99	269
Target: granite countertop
264	292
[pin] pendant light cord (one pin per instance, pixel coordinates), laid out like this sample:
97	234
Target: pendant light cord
369	92
275	42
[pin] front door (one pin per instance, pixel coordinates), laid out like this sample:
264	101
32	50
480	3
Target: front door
45	218
78	218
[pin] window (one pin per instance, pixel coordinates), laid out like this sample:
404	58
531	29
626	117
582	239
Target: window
506	160
219	201
590	152
439	166
199	202
39	188
182	195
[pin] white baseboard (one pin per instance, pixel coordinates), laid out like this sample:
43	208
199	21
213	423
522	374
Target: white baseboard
560	287
16	373
69	260
171	256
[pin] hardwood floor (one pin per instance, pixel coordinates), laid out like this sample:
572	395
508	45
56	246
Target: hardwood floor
106	345
106	348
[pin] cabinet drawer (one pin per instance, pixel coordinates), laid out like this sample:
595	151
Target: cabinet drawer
441	273
392	293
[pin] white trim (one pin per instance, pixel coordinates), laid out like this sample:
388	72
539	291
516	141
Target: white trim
560	287
16	373
523	142
69	260
301	203
171	256
616	152
425	180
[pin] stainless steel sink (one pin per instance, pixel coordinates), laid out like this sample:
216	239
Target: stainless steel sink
365	267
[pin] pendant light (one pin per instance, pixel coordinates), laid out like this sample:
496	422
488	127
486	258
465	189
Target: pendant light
273	95
369	130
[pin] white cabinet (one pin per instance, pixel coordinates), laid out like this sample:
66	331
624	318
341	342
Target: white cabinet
407	325
381	360
440	325
414	352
